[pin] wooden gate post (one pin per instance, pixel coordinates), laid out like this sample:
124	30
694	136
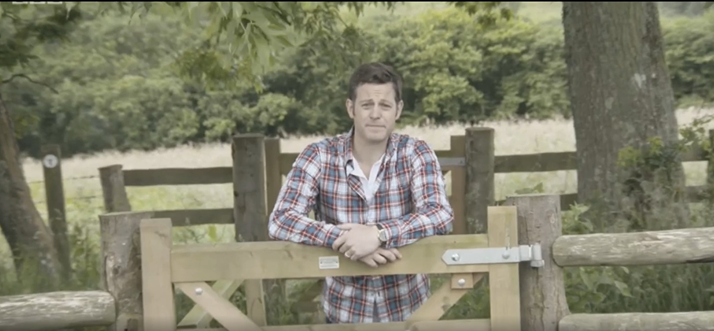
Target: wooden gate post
121	266
504	278
250	212
543	301
479	178
113	189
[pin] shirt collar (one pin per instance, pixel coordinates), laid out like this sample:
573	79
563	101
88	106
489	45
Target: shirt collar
345	147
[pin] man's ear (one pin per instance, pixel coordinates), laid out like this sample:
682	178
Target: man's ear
400	106
350	108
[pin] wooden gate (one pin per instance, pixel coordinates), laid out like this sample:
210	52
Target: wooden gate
189	267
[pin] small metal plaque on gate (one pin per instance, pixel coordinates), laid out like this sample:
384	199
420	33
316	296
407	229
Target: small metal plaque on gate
329	262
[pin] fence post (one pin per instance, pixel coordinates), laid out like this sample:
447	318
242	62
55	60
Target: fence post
56	213
543	301
113	189
479	157
458	186
273	184
121	266
710	171
249	210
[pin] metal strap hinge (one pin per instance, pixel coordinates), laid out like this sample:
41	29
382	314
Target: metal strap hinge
495	255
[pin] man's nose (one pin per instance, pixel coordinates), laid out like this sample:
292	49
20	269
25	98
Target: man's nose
374	113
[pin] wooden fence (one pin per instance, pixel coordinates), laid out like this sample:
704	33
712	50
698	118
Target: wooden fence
257	175
258	170
141	270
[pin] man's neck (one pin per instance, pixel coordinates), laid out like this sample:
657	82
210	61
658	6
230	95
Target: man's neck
367	152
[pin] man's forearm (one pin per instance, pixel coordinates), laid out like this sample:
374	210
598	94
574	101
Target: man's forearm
287	226
431	220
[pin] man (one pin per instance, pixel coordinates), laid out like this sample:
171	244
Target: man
372	191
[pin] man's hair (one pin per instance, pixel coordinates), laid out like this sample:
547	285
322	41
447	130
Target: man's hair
375	73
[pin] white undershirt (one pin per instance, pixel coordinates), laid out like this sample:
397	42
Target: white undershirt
370	188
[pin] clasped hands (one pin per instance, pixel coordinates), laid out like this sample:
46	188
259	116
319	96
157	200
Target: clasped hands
360	242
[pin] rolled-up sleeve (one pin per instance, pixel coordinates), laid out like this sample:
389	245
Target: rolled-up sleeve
288	220
432	213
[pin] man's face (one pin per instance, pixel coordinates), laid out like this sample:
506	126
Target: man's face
374	111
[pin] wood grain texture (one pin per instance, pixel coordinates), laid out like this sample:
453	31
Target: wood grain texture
694	245
480	193
121	266
113	189
250	212
543	300
56	310
280	260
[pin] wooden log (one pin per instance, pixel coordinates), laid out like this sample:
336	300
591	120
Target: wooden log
121	266
689	321
56	310
113	189
479	157
543	300
693	245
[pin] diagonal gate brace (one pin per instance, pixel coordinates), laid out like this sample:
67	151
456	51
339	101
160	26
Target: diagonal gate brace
495	255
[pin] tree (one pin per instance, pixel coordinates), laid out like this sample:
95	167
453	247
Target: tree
623	110
30	240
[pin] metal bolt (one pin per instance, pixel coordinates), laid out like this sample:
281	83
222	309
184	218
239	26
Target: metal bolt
455	257
506	254
198	291
462	282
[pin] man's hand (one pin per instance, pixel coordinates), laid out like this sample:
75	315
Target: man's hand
359	241
381	256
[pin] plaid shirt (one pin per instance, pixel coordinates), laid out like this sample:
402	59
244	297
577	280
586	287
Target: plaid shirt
411	203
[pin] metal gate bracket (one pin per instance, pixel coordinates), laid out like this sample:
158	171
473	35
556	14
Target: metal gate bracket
495	255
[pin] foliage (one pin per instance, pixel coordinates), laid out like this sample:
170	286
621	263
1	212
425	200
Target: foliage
650	170
117	79
690	58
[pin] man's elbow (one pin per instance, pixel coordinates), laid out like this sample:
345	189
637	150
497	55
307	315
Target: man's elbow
446	221
274	232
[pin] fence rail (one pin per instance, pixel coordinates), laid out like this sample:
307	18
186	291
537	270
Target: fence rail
144	269
484	164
